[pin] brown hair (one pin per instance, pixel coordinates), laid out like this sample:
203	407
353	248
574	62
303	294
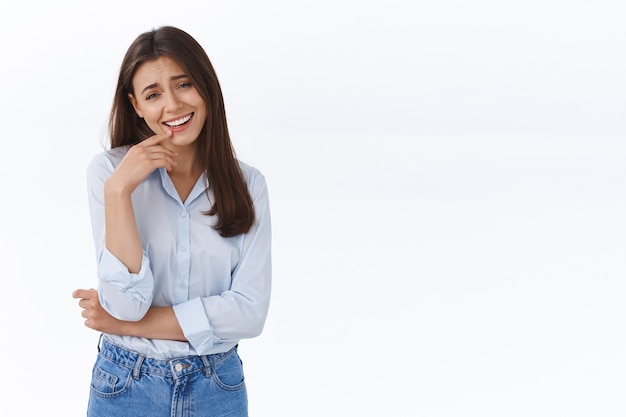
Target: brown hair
233	203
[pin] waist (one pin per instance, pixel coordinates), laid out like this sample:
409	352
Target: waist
175	367
163	349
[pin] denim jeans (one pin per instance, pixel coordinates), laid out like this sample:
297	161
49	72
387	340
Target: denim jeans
125	383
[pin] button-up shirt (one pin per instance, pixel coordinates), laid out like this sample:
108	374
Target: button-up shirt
219	287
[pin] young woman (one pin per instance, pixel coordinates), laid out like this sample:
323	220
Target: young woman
182	236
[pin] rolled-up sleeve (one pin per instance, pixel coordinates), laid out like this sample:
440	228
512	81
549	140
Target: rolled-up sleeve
196	326
124	295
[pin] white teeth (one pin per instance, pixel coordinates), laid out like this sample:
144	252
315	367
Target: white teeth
179	121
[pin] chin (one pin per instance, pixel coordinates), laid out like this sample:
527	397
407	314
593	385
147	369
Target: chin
183	140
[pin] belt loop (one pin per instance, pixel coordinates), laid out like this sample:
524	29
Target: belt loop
137	368
99	342
207	365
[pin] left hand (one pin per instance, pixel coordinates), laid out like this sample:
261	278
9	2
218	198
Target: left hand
96	317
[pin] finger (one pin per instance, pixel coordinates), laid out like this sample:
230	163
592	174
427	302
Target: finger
158	152
162	157
156	139
85	294
80	293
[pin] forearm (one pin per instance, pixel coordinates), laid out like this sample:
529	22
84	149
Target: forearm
158	323
121	234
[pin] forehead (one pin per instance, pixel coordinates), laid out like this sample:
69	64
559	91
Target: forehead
157	71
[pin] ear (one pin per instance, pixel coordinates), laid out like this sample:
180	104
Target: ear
133	101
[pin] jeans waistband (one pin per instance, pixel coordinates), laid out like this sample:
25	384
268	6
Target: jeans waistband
175	368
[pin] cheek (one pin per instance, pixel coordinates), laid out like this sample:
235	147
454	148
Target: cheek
150	113
204	113
152	117
153	123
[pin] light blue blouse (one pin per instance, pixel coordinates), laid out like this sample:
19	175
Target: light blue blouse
219	287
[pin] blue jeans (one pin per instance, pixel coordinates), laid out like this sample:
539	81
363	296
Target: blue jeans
126	383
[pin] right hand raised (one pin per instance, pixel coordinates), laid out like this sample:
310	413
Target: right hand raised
139	162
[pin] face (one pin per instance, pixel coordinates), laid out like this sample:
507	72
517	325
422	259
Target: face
165	98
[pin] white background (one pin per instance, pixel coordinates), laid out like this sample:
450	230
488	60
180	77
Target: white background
448	190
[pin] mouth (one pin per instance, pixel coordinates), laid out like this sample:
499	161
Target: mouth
179	122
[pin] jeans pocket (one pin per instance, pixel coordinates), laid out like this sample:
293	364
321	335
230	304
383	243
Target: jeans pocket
228	371
109	379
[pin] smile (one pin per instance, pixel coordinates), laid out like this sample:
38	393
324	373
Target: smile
179	122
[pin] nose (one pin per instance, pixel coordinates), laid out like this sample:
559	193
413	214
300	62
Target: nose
172	102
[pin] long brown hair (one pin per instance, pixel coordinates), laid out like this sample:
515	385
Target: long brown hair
232	201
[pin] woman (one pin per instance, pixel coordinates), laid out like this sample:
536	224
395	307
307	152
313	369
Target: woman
182	236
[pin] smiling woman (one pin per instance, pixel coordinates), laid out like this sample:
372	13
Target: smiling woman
169	195
168	101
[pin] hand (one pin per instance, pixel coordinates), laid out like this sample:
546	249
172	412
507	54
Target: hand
140	161
96	317
158	323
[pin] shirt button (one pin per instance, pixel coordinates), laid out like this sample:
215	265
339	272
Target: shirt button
178	367
183	248
183	213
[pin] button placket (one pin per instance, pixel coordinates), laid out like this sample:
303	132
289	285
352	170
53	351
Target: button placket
183	254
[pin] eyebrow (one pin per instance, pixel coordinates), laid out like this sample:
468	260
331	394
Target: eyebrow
174	78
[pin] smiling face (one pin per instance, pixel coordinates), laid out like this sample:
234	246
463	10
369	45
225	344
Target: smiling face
165	98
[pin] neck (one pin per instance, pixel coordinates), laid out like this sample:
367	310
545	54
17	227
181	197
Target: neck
186	162
185	175
186	168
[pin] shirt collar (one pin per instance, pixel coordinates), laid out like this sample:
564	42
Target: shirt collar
198	189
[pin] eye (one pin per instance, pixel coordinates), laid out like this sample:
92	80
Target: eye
151	96
184	85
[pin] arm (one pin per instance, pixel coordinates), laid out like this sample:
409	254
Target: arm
157	323
122	237
239	312
125	280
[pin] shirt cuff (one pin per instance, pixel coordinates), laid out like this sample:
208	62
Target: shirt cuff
114	272
195	324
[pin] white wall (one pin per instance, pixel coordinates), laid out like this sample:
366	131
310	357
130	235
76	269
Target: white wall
448	196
